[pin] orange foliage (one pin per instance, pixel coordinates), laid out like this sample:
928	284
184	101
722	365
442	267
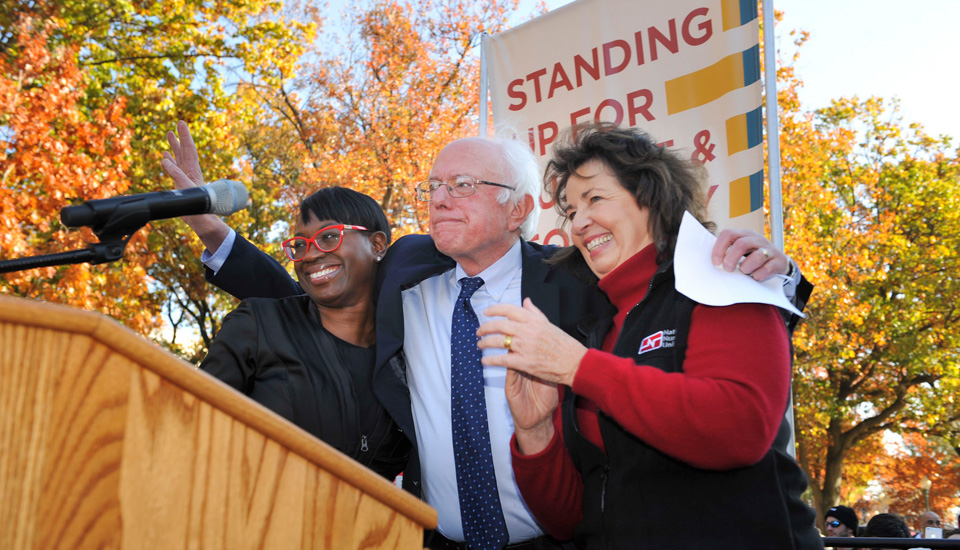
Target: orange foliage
902	469
383	105
51	152
872	216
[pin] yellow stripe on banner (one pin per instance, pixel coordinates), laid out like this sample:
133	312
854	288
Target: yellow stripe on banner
737	134
731	14
703	86
740	197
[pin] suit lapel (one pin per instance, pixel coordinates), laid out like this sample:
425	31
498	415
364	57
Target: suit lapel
410	261
408	266
533	285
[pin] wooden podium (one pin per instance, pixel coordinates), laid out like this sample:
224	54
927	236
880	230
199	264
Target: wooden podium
108	441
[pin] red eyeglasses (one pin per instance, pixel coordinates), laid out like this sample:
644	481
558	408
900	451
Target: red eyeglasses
327	239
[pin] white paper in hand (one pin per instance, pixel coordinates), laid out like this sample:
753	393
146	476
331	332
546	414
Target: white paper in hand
698	279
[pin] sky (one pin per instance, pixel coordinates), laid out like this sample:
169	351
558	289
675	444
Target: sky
886	48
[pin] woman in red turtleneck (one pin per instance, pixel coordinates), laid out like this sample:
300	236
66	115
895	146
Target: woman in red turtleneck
667	439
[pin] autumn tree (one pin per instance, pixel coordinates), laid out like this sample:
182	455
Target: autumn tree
901	468
377	100
52	150
872	215
152	64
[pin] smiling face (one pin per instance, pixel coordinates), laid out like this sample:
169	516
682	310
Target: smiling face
344	277
476	230
607	225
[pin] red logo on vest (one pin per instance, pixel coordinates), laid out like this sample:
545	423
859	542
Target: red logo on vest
652	342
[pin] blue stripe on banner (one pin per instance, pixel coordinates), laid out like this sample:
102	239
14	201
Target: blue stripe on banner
756	190
748	11
754	128
751	65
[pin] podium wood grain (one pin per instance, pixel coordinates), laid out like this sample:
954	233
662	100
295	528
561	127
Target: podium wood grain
108	441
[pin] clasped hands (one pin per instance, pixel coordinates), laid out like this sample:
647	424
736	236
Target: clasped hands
536	347
540	356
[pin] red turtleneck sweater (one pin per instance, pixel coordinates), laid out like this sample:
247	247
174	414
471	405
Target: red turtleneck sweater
721	412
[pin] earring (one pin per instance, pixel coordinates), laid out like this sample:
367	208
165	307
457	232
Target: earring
379	258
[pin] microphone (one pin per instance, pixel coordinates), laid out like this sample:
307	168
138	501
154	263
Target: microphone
222	197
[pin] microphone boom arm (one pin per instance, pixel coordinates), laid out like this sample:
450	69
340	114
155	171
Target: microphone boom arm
114	234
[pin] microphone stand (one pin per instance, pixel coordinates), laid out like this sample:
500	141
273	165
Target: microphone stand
114	234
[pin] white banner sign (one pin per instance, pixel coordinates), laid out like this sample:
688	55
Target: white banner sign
685	71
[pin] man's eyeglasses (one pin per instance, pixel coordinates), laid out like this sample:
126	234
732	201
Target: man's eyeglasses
327	239
833	524
460	186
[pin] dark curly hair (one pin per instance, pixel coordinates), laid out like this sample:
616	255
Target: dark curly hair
661	180
887	525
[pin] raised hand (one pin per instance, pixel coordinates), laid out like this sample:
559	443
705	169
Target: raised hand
183	166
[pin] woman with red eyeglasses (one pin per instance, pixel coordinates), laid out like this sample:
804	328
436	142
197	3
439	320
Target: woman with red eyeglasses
310	358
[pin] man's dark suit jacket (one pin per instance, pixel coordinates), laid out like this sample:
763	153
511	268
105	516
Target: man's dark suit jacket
562	297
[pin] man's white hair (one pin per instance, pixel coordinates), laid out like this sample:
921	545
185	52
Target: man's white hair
520	170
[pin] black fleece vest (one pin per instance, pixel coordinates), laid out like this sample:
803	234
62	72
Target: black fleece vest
637	497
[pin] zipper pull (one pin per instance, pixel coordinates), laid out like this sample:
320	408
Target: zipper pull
603	488
363	444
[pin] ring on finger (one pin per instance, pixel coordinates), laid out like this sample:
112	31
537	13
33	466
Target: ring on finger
765	252
507	341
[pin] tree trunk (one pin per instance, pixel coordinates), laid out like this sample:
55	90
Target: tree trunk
832	468
832	477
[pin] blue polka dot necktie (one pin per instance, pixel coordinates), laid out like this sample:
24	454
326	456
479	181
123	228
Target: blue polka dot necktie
480	512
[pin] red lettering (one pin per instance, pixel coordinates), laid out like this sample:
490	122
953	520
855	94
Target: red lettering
633	109
516	94
609	103
535	78
545	139
575	116
696	29
557	233
655	36
580	65
638	42
559	79
705	26
552	185
713	189
608	68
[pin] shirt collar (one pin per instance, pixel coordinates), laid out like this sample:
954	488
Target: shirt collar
499	274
